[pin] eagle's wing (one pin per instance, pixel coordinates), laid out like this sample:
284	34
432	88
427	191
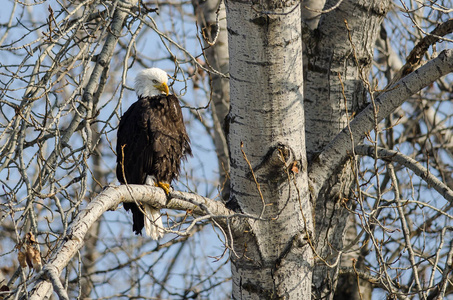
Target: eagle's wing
132	140
176	115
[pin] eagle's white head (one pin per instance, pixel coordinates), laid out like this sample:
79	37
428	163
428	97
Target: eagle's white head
151	82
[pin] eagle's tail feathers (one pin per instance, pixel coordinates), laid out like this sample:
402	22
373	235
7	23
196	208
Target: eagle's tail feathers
153	222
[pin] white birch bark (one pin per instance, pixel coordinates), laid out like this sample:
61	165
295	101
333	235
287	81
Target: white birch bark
272	259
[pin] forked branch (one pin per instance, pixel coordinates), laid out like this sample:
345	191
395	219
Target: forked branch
338	150
109	199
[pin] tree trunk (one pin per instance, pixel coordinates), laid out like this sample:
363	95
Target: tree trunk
272	258
339	54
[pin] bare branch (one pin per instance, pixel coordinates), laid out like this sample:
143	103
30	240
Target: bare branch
337	151
410	163
110	198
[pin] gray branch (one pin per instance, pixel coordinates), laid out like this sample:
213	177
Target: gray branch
337	151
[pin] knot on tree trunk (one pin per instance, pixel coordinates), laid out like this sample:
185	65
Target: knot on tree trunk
277	164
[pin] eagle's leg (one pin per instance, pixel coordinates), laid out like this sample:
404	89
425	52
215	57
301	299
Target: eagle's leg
164	186
151	180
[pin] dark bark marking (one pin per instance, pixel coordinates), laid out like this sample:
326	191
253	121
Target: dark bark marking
231	31
257	290
240	80
261	21
233	205
296	241
260	63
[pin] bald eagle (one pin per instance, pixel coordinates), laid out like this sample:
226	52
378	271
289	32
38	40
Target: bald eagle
152	141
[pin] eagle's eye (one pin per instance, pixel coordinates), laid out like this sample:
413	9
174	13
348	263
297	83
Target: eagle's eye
155	81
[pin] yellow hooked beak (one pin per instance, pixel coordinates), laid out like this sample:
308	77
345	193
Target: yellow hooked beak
163	88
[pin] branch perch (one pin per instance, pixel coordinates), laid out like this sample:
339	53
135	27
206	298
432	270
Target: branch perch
109	199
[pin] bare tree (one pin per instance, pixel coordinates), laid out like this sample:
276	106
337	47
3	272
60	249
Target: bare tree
322	140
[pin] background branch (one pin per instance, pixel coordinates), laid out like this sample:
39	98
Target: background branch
410	163
337	151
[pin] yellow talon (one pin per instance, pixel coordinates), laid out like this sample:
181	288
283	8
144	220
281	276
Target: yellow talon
164	186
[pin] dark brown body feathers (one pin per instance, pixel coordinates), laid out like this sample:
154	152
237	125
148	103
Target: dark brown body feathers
154	140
